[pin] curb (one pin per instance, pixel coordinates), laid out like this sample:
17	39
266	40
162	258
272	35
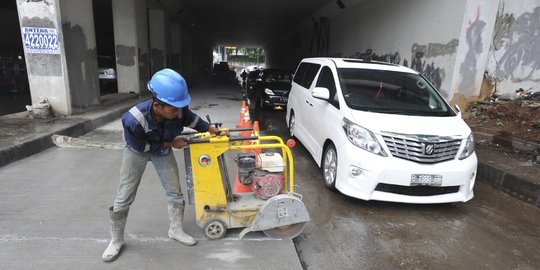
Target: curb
43	142
508	142
514	185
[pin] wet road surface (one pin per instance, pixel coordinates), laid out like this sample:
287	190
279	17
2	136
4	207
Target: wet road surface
492	231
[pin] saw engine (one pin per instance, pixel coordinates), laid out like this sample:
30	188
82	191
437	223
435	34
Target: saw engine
262	173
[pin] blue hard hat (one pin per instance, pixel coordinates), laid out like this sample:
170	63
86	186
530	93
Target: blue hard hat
170	88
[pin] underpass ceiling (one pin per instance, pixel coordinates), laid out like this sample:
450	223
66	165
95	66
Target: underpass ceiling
245	23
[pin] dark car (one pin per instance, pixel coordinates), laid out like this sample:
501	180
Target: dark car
13	79
221	72
272	88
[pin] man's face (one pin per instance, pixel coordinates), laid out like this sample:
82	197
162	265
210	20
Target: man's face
167	111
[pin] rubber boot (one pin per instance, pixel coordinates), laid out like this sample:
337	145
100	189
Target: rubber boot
176	214
118	223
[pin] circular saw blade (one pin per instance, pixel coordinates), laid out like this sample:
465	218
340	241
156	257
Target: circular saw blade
285	232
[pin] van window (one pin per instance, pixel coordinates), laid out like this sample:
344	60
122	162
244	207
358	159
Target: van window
391	92
305	74
300	72
326	80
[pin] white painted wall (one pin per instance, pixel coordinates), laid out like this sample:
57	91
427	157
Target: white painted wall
514	57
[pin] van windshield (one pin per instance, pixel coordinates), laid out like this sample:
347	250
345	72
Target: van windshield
386	91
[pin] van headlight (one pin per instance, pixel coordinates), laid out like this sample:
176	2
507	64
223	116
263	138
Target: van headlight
469	148
269	92
362	138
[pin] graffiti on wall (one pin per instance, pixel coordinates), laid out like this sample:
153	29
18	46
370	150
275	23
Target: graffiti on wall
368	55
521	41
441	49
419	53
473	37
434	74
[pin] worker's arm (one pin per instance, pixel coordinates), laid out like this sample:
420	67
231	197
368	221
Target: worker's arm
178	143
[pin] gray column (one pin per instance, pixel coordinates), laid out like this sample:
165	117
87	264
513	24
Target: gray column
158	39
60	51
176	46
131	45
81	53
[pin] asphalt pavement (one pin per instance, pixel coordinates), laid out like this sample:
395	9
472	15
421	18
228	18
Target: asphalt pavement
54	201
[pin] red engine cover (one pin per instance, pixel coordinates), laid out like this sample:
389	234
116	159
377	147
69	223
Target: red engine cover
267	186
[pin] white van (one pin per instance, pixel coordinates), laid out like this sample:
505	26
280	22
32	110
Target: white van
381	131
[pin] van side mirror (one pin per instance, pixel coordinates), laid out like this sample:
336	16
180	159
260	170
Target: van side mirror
321	93
458	110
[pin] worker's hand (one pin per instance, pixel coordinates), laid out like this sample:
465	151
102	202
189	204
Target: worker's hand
178	143
214	130
224	132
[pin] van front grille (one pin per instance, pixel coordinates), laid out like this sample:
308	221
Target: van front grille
422	148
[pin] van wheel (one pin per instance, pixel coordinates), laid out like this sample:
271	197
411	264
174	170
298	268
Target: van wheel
329	166
292	122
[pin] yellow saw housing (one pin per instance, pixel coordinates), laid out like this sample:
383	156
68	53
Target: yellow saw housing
218	209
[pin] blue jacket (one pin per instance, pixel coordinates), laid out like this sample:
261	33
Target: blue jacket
143	134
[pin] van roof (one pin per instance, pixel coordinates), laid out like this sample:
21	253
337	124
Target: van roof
359	63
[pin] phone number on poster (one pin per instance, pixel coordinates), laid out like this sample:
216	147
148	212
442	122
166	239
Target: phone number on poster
41	40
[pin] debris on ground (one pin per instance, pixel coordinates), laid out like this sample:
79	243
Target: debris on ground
41	110
517	118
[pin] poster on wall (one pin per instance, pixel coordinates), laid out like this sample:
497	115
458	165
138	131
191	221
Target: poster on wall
40	40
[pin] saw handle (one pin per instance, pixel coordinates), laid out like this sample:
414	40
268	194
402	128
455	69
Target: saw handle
197	139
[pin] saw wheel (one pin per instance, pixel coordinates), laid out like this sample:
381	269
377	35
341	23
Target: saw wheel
215	229
285	232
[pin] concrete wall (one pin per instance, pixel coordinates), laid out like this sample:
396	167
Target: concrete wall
514	56
413	33
453	49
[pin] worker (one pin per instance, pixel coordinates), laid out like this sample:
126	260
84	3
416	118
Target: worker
244	75
151	130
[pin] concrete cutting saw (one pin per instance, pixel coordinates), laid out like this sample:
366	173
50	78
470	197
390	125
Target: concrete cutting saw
264	165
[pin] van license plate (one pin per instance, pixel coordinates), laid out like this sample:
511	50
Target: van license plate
434	180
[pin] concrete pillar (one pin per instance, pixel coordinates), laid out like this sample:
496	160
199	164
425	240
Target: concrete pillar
176	46
131	45
187	52
60	50
158	39
473	50
81	53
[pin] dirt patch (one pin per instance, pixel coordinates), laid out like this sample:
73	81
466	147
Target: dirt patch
518	118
